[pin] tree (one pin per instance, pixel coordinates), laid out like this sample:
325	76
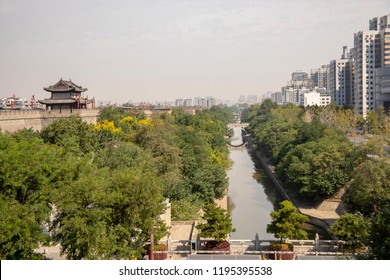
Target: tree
71	133
202	176
185	209
353	229
373	125
109	214
218	223
30	172
379	239
368	191
318	169
20	230
287	222
112	115
119	155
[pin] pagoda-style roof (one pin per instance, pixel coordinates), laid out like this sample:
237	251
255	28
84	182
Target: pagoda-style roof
49	101
65	86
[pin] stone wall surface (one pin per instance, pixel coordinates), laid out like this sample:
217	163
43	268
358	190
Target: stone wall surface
14	120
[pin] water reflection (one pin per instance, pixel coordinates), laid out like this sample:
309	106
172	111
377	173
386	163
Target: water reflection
252	196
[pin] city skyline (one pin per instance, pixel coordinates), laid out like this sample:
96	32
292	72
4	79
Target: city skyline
166	50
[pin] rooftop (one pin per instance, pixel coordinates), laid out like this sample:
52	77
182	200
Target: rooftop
65	86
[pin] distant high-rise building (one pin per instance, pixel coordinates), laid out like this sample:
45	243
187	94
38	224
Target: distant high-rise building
366	47
339	82
179	102
382	88
277	97
371	51
299	75
188	102
299	84
210	102
384	35
319	76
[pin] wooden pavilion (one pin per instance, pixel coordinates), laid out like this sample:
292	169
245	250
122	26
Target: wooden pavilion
67	95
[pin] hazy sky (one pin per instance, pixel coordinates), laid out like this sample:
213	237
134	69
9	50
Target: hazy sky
166	49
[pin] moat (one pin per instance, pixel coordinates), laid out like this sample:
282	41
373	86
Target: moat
252	196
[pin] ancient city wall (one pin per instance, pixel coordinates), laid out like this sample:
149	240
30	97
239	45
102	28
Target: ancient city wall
14	120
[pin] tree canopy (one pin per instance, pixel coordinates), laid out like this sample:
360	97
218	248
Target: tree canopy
100	189
217	223
287	222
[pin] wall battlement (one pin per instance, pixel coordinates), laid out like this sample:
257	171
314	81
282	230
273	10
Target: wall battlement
14	120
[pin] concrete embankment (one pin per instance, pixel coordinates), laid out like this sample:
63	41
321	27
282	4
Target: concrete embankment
323	216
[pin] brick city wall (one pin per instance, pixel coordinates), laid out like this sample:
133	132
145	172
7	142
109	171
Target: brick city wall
14	120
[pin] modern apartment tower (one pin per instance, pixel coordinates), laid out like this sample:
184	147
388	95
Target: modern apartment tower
371	52
366	47
339	82
319	76
299	84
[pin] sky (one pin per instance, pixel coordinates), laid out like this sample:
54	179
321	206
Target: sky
161	50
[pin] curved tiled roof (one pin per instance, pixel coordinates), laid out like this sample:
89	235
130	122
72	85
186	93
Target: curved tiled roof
65	86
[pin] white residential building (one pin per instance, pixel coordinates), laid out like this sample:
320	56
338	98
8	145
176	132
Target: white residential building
366	46
371	51
339	82
314	98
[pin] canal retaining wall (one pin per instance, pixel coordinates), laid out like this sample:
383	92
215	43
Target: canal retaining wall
323	219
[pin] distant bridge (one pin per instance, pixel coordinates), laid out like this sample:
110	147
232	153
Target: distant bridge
244	137
236	146
237	124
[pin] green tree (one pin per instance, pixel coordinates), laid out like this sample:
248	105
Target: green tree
287	222
202	177
218	223
30	173
71	133
373	125
119	155
185	210
318	169
379	238
108	214
368	191
112	114
20	230
353	229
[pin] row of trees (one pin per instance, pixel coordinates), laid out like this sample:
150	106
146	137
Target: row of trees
100	189
315	159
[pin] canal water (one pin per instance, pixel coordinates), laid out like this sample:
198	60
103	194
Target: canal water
252	196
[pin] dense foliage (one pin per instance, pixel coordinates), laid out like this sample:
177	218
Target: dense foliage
313	159
319	152
100	189
217	223
287	222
